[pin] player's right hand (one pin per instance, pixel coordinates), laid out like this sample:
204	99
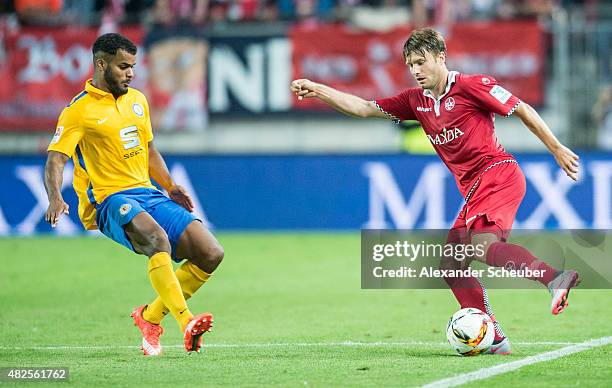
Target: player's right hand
568	161
55	210
179	195
303	88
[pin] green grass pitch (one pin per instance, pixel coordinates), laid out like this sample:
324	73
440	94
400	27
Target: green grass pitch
289	311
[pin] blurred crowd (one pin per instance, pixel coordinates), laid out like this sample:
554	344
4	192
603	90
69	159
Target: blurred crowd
376	14
602	117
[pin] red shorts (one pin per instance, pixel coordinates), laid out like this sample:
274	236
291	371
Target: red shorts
493	203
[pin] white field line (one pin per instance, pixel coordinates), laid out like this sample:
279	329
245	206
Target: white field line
273	345
514	365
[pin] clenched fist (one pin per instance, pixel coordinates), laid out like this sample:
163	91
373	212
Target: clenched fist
303	88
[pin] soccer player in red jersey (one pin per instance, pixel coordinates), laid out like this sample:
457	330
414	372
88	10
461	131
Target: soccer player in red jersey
456	112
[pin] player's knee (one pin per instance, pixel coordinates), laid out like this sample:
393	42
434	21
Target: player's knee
481	243
155	241
214	255
209	258
448	263
217	254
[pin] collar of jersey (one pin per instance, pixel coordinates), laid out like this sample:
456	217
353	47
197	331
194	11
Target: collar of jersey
450	81
89	88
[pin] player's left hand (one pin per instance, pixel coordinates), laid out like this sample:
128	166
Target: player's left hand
180	196
568	161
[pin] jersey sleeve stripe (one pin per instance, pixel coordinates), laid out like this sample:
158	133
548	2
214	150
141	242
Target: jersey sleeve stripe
396	119
513	108
83	93
90	195
80	157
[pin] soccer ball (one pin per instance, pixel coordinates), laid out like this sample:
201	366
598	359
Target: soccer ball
470	331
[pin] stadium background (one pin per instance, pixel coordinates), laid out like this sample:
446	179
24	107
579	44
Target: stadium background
216	74
257	160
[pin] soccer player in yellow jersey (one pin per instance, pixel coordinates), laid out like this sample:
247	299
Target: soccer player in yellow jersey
106	129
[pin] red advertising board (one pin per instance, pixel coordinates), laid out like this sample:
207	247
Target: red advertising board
41	71
370	64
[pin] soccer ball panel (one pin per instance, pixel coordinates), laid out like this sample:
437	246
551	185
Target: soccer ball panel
470	331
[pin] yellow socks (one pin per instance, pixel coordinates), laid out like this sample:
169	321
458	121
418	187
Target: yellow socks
166	284
190	278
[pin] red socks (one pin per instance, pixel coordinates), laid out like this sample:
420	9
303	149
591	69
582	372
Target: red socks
469	292
512	256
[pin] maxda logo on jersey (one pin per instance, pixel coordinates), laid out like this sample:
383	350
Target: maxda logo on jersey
446	136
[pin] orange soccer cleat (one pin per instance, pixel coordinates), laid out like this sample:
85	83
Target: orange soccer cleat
197	326
150	333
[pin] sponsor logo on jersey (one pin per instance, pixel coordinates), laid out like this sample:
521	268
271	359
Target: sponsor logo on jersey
446	136
129	137
500	94
423	109
57	135
138	109
125	208
449	104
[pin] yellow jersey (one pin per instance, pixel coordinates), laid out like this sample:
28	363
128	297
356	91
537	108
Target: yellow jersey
107	139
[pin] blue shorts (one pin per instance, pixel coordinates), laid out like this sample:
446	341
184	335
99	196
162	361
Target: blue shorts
120	208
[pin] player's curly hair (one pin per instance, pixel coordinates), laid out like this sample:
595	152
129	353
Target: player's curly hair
422	40
109	44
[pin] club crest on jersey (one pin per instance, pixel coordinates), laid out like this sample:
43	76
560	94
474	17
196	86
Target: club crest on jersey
485	80
125	209
138	109
446	136
449	104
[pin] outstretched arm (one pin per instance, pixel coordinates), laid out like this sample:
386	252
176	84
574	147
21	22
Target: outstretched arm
54	174
565	158
159	172
343	102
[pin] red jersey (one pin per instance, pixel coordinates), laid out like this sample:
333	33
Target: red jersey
459	124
